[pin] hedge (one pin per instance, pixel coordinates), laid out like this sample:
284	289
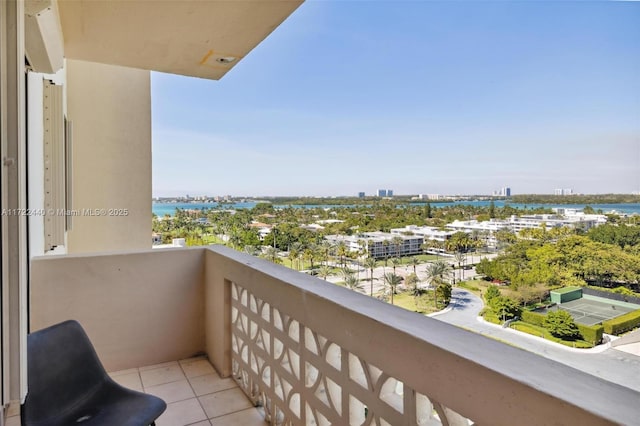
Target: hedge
623	323
534	318
591	333
489	316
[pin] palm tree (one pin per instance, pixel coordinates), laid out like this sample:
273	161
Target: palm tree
325	249
393	280
346	272
324	272
397	242
371	263
271	254
461	258
341	251
294	255
436	274
351	281
370	247
385	252
437	245
414	261
395	261
249	249
412	282
310	253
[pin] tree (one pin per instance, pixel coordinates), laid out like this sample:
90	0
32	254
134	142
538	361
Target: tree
414	261
504	307
351	281
561	324
250	249
310	253
393	281
397	242
395	261
437	272
461	258
385	246
324	271
294	253
271	254
492	209
412	282
341	252
491	293
444	291
370	263
427	211
505	237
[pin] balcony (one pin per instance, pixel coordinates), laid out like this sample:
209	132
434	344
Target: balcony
309	352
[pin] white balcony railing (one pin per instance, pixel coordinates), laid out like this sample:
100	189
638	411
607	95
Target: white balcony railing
311	352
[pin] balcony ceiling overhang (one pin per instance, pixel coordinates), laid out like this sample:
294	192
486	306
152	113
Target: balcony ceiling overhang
192	38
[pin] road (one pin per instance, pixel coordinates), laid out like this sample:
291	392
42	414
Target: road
612	365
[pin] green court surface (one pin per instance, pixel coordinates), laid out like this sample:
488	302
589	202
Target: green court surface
593	311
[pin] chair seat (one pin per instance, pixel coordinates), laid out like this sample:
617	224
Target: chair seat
69	387
111	405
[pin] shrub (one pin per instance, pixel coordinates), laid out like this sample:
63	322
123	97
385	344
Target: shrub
444	293
561	324
504	308
533	318
591	333
489	316
623	323
492	293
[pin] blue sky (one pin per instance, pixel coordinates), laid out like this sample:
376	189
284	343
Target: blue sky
421	97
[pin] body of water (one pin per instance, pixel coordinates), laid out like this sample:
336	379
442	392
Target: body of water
161	209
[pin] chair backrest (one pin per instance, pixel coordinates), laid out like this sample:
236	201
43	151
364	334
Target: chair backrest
63	370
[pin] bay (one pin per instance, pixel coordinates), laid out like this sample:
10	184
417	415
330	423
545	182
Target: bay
162	209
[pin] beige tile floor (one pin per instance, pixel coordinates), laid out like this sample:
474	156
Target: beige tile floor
194	393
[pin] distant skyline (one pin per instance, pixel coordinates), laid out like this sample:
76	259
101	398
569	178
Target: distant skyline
418	97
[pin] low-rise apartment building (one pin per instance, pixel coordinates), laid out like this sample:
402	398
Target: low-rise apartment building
380	244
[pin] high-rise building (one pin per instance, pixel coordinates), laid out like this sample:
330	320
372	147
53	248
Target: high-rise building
389	192
563	191
360	194
505	191
382	192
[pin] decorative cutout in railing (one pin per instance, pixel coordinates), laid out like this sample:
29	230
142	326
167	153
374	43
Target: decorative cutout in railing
302	378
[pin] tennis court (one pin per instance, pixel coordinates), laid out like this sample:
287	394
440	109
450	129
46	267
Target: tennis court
593	310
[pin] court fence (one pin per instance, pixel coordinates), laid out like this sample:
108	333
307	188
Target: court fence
609	295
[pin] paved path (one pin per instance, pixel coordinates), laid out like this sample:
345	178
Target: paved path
612	365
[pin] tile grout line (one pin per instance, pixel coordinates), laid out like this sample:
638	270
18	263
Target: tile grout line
253	407
195	393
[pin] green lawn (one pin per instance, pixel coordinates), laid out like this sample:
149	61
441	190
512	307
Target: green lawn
407	301
428	257
472	286
298	265
211	239
543	332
